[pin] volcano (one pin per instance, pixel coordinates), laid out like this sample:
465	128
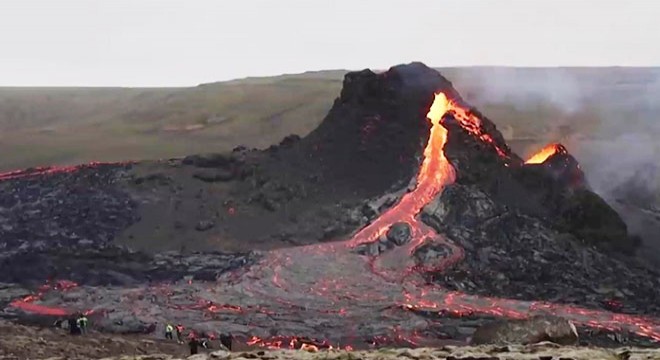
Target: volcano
404	217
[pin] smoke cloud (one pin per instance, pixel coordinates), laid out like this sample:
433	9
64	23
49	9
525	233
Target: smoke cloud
523	88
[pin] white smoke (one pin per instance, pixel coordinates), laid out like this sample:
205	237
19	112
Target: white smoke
610	163
523	87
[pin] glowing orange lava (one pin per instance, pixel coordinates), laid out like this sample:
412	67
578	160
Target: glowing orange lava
281	342
434	174
472	124
51	170
543	155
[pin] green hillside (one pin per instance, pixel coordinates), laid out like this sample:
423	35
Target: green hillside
40	126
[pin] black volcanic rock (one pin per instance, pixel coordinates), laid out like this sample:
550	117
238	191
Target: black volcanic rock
110	265
213	160
214	175
559	185
592	220
555	190
399	233
64	208
374	135
511	254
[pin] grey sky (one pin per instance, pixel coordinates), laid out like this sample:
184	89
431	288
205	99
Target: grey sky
186	42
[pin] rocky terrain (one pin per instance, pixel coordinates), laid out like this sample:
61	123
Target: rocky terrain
374	229
536	352
28	342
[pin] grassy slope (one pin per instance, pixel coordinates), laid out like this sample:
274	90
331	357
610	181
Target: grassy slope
41	126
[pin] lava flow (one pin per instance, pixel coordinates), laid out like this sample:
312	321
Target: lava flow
328	291
434	174
27	303
548	151
53	170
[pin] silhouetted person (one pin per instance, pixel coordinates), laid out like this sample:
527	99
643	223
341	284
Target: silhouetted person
73	326
206	340
193	344
226	340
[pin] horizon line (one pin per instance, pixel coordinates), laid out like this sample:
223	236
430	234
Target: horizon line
255	77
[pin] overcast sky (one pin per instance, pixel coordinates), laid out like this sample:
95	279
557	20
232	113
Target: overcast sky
186	42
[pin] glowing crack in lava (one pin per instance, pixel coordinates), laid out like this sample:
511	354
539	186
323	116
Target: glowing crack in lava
548	151
328	291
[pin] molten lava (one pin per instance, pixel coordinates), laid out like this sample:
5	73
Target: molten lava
548	151
472	124
282	342
434	174
53	170
27	303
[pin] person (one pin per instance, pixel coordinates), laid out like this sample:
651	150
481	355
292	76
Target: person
205	343
168	331
179	333
73	326
193	344
82	323
206	340
225	341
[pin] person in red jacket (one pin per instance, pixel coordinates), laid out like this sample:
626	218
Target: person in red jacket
179	333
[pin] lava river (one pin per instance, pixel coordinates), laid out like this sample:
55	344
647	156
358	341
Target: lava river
328	291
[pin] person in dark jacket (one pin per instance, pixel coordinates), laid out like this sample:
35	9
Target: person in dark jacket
226	340
193	343
73	326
